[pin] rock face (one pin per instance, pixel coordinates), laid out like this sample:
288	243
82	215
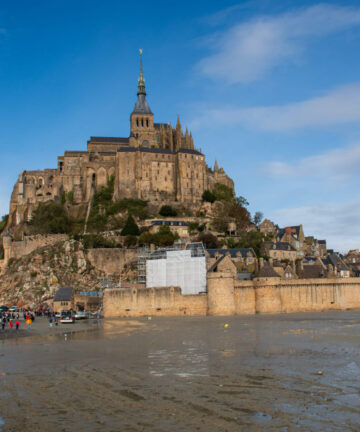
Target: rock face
33	279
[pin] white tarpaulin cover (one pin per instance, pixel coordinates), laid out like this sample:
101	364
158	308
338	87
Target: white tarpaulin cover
179	268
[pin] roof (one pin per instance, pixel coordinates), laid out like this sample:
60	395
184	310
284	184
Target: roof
233	252
314	271
141	106
107	140
216	263
280	246
169	222
158	125
322	242
267	271
158	150
335	261
63	294
294	230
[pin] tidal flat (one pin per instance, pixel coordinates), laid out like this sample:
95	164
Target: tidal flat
288	372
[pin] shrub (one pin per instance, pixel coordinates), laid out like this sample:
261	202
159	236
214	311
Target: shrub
3	222
167	210
223	192
130	227
210	241
130	240
49	218
208	196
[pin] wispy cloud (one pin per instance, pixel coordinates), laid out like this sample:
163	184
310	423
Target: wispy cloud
338	106
338	223
333	165
246	51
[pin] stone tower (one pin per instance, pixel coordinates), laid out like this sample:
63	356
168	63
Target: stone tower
142	118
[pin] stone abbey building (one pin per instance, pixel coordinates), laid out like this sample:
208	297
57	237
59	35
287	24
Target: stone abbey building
156	162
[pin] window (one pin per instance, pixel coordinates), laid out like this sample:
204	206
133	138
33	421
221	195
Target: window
163	156
147	122
137	122
128	172
142	122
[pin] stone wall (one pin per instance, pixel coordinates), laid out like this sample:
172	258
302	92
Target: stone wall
110	261
152	301
17	249
228	297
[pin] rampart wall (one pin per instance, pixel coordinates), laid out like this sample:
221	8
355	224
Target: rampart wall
228	297
17	249
110	261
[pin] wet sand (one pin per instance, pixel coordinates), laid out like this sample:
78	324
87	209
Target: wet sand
297	372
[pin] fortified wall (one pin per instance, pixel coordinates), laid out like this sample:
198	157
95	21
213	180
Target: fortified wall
17	249
226	296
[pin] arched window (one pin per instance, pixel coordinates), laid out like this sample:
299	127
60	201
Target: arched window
142	122
145	143
147	122
137	122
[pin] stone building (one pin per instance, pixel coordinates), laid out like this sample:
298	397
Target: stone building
156	162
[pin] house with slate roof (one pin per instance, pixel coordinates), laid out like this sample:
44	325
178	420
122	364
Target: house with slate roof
63	300
279	250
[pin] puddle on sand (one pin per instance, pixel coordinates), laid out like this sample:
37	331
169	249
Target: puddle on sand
184	363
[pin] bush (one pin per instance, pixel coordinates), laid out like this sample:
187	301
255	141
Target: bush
3	222
208	196
51	218
164	236
130	227
210	241
94	241
130	240
145	238
223	192
167	210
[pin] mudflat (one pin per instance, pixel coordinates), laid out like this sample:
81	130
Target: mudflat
295	372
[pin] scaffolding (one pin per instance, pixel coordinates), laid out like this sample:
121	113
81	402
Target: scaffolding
181	265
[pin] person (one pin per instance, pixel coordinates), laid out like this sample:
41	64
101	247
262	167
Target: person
28	322
50	322
17	324
11	325
3	322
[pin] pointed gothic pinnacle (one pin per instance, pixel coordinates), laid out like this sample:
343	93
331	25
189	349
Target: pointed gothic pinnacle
178	125
216	167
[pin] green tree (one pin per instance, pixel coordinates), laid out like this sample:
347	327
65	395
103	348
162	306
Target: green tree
130	227
164	236
130	240
258	216
208	196
3	222
223	192
49	218
145	238
167	210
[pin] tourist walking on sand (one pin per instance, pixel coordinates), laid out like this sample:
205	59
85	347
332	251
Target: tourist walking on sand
28	323
3	322
50	322
17	324
11	325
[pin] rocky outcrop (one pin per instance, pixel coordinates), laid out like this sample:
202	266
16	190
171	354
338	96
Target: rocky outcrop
34	278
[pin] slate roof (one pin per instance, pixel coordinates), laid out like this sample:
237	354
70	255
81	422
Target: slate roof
216	263
267	271
63	294
113	140
335	261
158	150
169	222
295	228
233	252
285	246
141	106
314	271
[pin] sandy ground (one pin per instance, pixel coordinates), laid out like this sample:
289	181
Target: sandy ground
296	372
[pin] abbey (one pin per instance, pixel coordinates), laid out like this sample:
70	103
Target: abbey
156	162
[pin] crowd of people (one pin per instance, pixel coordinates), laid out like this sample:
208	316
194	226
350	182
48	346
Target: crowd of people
11	320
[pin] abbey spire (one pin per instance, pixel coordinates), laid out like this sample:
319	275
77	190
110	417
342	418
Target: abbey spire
141	106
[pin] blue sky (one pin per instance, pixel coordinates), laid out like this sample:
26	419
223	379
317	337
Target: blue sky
272	89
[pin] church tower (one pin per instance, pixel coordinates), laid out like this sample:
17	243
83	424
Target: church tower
142	118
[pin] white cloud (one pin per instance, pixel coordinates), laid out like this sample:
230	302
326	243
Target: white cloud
333	165
246	51
337	223
337	107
